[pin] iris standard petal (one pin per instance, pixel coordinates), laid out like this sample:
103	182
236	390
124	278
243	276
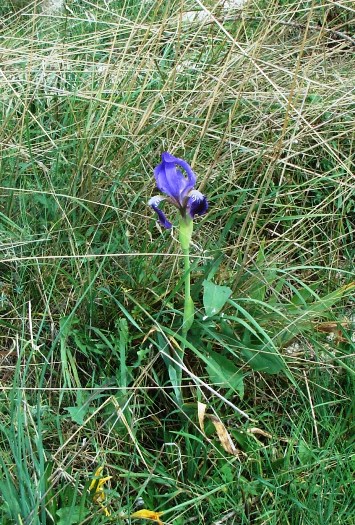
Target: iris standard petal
191	177
197	203
169	180
172	181
154	203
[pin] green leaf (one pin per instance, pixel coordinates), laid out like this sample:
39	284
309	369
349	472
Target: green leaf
174	369
70	515
214	297
305	454
78	414
223	372
327	301
261	359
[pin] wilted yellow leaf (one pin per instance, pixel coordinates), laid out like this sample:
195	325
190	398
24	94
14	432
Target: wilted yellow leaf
258	431
148	515
224	437
222	433
201	412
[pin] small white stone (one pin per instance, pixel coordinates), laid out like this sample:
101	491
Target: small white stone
230	4
51	7
195	16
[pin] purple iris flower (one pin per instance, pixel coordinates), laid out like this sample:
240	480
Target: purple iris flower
178	188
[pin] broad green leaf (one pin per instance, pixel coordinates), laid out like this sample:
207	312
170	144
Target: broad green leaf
305	454
70	515
260	287
254	326
303	295
174	368
214	297
223	372
78	414
262	360
327	301
321	305
122	327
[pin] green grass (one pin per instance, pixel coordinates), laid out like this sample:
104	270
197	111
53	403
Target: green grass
260	101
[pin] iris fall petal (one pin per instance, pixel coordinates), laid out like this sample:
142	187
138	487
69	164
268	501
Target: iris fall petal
197	203
154	203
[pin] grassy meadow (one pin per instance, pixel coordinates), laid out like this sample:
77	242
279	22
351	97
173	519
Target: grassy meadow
259	99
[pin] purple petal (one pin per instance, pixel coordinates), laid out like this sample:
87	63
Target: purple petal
154	203
191	177
197	203
171	181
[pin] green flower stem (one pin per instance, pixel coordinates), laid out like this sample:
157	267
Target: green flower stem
186	227
175	371
187	298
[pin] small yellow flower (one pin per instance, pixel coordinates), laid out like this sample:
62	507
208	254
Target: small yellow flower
148	515
97	489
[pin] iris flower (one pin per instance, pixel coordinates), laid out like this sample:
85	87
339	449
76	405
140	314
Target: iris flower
178	188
